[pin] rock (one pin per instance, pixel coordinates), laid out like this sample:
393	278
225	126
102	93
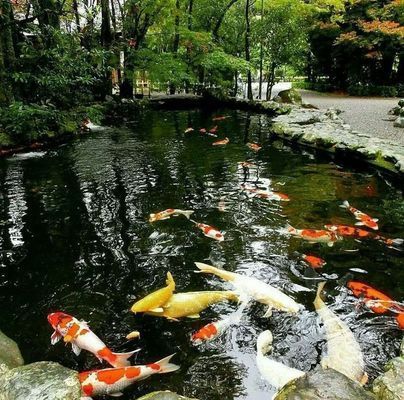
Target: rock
9	352
399	122
166	395
390	385
290	96
323	385
40	381
401	102
395	110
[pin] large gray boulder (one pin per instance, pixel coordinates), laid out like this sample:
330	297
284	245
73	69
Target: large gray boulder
322	384
10	355
164	395
289	96
399	122
390	385
40	381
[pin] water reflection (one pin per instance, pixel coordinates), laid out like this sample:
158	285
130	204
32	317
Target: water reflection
79	218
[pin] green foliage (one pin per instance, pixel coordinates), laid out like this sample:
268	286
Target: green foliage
317	86
372	90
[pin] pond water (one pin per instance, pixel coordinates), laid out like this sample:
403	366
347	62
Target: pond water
75	237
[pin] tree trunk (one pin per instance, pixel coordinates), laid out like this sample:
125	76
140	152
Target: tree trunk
106	33
247	48
261	54
271	81
215	31
113	15
400	69
76	15
235	83
190	8
176	36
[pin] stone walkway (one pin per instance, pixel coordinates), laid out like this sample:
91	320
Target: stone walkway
367	115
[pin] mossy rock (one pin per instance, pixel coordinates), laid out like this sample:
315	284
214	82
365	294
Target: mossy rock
390	385
289	96
164	395
40	381
9	352
324	385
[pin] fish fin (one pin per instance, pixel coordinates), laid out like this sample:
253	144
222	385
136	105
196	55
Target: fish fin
331	228
375	219
55	337
330	244
76	349
193	316
116	394
187	214
157	310
290	228
397	242
345	204
166	366
268	312
364	379
173	319
359	223
121	359
86	398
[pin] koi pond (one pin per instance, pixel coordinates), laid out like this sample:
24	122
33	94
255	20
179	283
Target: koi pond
75	237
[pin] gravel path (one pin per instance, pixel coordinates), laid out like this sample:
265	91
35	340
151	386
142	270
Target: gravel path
364	114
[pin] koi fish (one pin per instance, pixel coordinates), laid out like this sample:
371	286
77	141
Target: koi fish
370	294
112	381
351	231
133	335
220	117
343	351
213	130
154	301
215	329
221	142
246	164
210	232
189	130
314	235
254	288
190	304
166	214
364	219
82	338
269	195
254	146
276	373
222	206
202	130
313	261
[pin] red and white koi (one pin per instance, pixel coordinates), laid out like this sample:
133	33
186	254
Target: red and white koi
189	130
214	130
215	329
313	261
168	213
112	381
222	142
254	146
82	338
357	233
314	235
246	164
266	194
210	231
363	218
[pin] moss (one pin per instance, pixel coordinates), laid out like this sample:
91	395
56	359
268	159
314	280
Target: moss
5	140
381	162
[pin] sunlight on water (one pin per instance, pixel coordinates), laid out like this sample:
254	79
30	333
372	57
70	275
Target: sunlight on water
79	217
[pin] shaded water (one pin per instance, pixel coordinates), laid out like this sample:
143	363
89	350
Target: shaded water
74	236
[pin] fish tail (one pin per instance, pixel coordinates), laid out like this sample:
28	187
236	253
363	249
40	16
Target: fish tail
318	301
290	228
170	280
264	342
166	366
232	296
209	269
187	214
119	360
397	241
345	204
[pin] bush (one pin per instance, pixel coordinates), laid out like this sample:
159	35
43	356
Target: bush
373	90
26	123
317	86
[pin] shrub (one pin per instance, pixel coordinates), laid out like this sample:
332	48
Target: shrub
372	90
317	86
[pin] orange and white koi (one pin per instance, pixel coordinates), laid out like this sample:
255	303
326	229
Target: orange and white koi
246	164
313	261
314	235
82	338
189	130
214	329
269	195
221	142
363	218
358	233
254	146
220	117
112	381
210	231
168	213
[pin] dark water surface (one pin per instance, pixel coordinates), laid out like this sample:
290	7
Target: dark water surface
75	236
